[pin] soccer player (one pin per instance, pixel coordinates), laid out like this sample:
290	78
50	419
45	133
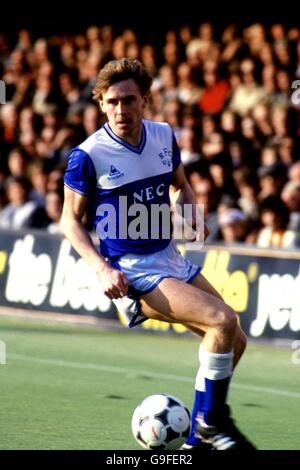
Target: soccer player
129	165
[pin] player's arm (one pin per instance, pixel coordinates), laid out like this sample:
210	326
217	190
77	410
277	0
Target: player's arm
113	282
181	193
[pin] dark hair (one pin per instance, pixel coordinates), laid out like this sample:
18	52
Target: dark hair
22	180
276	205
123	69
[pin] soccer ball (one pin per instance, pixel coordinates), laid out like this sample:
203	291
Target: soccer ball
161	422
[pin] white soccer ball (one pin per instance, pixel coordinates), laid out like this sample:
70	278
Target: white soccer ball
161	422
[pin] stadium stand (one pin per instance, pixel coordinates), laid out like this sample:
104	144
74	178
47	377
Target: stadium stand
228	95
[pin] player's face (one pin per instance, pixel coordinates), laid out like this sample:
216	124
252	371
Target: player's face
124	106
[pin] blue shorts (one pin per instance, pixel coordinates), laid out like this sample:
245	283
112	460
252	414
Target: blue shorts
145	272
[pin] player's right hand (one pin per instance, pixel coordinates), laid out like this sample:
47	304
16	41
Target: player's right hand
113	282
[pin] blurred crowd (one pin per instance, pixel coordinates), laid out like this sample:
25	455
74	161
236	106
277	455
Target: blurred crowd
228	97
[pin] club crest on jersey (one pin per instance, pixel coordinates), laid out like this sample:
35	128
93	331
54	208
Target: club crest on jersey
114	173
166	157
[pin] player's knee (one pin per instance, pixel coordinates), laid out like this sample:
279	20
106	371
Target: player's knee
239	346
227	320
240	342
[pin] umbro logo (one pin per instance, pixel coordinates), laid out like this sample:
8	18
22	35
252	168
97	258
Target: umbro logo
114	173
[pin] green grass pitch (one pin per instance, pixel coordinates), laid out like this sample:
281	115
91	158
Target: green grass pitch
75	387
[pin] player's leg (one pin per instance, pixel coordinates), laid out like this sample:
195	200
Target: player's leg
240	342
207	313
184	303
238	348
201	311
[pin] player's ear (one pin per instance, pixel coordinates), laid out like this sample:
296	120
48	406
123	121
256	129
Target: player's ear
145	100
101	104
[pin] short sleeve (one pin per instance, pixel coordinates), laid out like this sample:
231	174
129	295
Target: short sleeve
176	154
80	173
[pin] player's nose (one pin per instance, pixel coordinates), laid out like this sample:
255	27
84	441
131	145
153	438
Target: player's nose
121	108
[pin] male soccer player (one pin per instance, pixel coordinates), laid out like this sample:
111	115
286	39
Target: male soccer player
132	164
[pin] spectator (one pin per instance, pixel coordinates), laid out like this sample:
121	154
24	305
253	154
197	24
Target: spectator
208	196
17	162
55	180
216	90
274	218
294	172
21	212
189	145
249	93
247	183
233	228
53	205
90	119
290	195
37	174
287	150
271	178
188	90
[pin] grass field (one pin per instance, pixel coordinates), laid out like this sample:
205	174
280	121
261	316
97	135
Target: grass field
71	387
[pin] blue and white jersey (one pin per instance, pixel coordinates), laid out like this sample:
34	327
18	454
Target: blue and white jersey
121	180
